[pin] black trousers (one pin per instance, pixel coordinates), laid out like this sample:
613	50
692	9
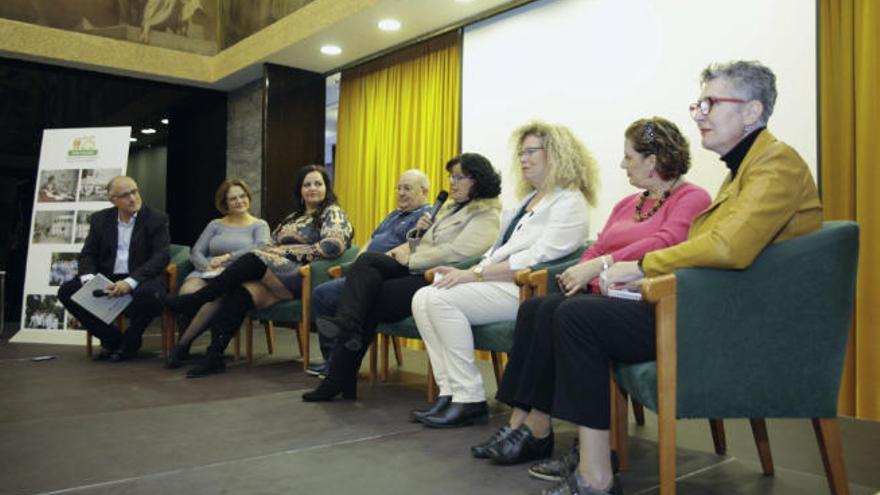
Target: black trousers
589	333
145	305
377	289
529	377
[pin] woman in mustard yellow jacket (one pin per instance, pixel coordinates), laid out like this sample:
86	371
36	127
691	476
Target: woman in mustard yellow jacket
768	196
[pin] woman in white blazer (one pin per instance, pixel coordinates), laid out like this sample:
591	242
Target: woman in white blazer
557	180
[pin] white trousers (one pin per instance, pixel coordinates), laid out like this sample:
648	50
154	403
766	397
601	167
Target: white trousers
444	318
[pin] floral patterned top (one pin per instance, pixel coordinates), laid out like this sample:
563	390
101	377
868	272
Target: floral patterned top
297	241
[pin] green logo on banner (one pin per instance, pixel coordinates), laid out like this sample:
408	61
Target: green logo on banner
83	146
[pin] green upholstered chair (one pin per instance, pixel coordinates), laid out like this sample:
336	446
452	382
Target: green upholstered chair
495	338
765	342
177	269
297	310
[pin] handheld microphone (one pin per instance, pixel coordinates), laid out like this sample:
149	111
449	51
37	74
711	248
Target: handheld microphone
438	203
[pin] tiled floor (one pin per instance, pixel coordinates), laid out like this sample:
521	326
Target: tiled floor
69	425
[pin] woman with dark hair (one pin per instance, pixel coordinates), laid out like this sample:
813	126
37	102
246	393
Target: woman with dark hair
317	228
379	286
222	242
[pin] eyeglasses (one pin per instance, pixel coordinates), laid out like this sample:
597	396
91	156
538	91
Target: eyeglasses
529	151
705	105
132	193
455	178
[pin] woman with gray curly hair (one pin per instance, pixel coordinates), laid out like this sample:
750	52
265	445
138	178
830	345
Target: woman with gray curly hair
769	196
556	181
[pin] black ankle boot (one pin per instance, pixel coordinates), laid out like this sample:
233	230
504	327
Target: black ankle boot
248	267
177	356
439	405
224	325
212	364
341	379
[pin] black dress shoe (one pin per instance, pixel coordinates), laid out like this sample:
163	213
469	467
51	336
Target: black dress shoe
103	355
210	366
121	355
176	357
330	388
459	414
439	405
481	450
559	468
521	446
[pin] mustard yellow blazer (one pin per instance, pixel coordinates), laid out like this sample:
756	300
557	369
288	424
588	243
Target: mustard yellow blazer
772	198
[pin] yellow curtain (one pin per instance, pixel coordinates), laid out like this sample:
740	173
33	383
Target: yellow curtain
397	113
849	108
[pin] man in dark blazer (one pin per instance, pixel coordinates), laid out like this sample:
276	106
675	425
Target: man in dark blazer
129	245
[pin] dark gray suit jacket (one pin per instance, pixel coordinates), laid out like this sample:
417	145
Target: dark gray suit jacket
148	251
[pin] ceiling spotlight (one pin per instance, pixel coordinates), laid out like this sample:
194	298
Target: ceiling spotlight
133	139
389	24
164	121
331	50
148	130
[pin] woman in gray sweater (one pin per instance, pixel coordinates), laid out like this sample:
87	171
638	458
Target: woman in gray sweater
224	239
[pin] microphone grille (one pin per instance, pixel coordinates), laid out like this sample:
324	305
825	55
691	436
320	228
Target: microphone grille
442	196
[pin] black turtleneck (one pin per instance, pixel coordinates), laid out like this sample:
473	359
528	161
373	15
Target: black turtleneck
734	157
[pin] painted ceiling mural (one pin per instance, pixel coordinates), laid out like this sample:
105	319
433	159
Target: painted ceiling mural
197	26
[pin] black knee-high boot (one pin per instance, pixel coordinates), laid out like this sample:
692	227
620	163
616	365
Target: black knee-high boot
341	379
224	325
248	267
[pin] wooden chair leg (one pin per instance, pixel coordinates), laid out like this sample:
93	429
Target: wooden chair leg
236	341
718	438
398	354
619	424
302	333
497	367
374	347
270	337
385	341
432	384
88	343
759	430
638	411
249	341
831	448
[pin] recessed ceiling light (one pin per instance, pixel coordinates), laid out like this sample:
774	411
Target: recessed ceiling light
133	139
148	130
331	50
164	121
389	24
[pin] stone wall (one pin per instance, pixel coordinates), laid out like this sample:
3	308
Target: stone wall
244	126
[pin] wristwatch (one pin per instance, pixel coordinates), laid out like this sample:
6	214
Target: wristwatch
478	271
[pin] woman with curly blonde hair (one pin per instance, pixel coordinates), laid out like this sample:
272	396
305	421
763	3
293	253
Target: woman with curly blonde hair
556	178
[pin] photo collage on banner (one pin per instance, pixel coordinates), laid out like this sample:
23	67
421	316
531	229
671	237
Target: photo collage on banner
74	169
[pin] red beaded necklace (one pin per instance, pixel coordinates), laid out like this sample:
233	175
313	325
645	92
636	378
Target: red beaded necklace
638	216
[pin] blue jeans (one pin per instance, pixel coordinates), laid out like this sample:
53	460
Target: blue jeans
325	300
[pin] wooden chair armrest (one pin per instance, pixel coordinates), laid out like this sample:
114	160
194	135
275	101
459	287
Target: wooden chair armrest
521	277
538	282
335	271
429	276
656	288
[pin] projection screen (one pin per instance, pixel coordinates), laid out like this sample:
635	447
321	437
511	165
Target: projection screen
598	65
